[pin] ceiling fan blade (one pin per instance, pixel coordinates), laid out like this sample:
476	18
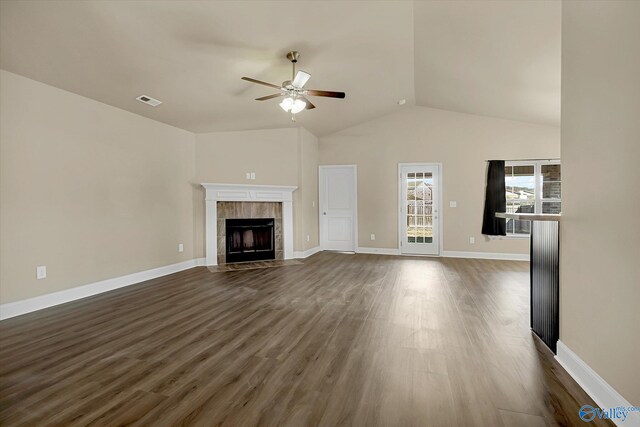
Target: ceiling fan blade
260	82
327	93
275	95
309	106
302	77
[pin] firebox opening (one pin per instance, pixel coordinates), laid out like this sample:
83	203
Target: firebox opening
250	239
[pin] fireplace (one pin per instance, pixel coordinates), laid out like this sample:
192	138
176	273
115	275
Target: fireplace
234	201
250	239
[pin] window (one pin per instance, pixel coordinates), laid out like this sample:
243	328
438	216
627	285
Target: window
531	187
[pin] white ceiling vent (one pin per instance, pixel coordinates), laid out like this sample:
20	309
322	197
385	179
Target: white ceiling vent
149	100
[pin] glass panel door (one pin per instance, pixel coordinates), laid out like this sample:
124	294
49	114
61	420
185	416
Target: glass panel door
419	209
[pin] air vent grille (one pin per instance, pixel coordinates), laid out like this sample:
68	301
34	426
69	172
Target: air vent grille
149	100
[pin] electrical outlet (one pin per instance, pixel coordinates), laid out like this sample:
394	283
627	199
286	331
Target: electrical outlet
248	175
41	272
472	240
253	175
453	204
180	247
373	237
308	238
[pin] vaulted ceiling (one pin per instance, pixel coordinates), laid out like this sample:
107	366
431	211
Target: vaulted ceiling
497	58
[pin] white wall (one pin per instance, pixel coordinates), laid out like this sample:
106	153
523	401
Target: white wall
94	192
307	207
286	156
461	142
91	191
600	229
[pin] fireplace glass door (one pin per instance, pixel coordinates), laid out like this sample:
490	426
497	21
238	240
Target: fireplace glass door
250	239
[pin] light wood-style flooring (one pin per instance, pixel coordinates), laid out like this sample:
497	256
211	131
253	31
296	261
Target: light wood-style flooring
340	339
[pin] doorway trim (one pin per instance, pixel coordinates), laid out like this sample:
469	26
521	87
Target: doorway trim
399	208
355	205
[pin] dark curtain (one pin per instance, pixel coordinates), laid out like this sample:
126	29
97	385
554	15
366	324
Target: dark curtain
495	200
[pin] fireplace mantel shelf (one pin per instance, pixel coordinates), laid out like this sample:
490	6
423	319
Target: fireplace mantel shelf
246	193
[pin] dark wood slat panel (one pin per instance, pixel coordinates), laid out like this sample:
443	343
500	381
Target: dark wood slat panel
337	339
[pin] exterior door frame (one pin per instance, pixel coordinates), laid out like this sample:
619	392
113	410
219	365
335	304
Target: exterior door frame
439	198
321	170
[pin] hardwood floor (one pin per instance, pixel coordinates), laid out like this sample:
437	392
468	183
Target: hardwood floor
338	340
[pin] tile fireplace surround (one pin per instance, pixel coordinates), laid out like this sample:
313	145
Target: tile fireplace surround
249	210
246	193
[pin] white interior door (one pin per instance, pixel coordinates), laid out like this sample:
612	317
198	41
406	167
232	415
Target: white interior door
419	209
338	208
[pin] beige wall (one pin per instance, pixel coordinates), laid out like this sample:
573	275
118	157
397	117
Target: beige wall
308	180
600	231
94	192
91	191
461	142
225	157
277	156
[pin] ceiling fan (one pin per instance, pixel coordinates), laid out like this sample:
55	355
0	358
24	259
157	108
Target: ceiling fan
295	95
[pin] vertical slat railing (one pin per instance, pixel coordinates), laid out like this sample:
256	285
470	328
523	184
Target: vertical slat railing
545	251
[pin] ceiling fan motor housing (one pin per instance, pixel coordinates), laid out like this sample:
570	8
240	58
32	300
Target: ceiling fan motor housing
293	56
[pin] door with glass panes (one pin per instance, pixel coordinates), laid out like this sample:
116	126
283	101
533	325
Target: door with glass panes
419	209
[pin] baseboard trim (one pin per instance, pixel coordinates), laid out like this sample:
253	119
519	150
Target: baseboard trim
29	305
486	255
594	385
307	253
377	251
448	254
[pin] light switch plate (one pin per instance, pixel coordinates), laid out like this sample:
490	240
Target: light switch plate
472	240
373	237
180	247
253	175
453	204
41	272
248	175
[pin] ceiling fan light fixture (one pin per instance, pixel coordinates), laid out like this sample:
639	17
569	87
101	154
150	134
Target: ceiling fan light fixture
293	106
298	105
287	104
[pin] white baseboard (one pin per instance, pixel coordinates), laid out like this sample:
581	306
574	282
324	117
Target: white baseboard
17	308
600	391
378	251
486	255
307	253
449	254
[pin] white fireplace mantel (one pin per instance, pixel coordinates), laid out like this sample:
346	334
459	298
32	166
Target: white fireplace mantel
247	193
